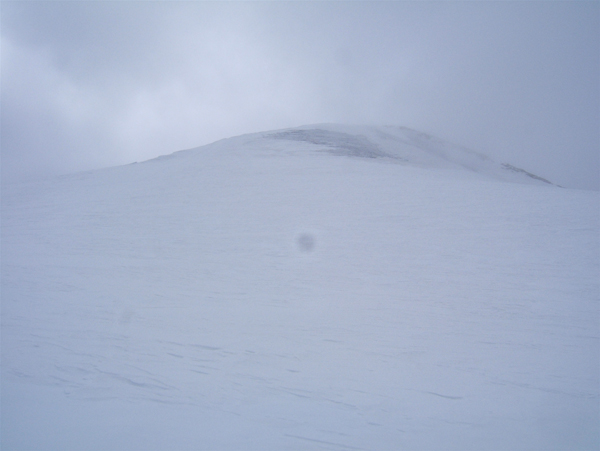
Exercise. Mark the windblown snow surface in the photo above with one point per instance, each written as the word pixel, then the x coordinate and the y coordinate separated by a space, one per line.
pixel 321 288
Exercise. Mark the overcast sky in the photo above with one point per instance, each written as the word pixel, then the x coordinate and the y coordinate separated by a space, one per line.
pixel 92 84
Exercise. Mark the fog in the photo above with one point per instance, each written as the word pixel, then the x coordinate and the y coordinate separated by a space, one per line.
pixel 93 84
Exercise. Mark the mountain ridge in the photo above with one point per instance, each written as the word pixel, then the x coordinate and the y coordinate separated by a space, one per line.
pixel 392 144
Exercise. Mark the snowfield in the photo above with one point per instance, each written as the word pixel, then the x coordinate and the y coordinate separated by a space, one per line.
pixel 324 288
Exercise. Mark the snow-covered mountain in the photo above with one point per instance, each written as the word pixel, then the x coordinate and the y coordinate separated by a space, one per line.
pixel 389 144
pixel 322 287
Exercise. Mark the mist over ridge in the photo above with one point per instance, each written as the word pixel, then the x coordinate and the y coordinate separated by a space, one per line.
pixel 391 144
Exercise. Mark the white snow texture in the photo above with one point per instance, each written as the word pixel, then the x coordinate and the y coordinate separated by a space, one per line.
pixel 325 288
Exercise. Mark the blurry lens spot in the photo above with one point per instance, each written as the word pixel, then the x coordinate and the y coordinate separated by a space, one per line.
pixel 306 242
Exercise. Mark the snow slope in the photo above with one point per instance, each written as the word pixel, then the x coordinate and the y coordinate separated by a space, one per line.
pixel 325 287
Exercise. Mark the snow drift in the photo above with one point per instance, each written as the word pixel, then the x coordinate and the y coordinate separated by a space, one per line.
pixel 324 287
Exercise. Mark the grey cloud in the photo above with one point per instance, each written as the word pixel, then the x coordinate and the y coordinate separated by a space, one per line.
pixel 87 84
